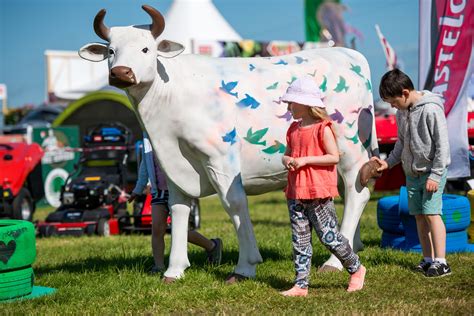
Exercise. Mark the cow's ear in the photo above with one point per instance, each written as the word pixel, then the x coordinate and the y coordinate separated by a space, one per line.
pixel 169 49
pixel 94 51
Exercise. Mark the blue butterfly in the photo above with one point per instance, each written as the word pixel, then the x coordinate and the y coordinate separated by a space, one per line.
pixel 230 137
pixel 299 60
pixel 281 62
pixel 228 87
pixel 248 101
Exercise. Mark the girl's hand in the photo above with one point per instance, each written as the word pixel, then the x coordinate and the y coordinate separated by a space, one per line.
pixel 297 163
pixel 287 162
pixel 431 185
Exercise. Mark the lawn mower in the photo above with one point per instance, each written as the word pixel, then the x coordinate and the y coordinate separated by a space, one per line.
pixel 93 198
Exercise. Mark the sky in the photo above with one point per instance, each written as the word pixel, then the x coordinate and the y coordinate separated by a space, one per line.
pixel 29 27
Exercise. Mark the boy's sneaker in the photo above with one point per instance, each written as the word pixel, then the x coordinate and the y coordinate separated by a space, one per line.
pixel 438 269
pixel 214 256
pixel 423 266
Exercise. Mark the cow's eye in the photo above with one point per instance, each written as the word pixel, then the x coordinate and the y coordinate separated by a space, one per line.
pixel 145 50
pixel 111 51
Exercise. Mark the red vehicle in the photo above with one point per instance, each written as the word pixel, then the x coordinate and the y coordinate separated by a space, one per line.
pixel 21 183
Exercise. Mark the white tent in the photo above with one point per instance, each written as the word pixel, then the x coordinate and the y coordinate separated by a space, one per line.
pixel 69 77
pixel 189 20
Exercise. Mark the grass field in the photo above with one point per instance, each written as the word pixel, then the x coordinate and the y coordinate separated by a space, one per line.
pixel 98 275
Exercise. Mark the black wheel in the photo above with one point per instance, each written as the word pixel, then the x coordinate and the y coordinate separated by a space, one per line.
pixel 47 231
pixel 195 215
pixel 103 227
pixel 23 206
pixel 138 205
pixel 90 230
pixel 123 218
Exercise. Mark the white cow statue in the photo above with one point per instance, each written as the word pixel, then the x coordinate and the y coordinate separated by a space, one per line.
pixel 218 126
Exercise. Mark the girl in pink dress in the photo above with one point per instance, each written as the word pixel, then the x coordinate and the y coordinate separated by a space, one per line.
pixel 311 157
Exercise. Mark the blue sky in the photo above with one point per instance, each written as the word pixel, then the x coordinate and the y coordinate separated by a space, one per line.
pixel 29 27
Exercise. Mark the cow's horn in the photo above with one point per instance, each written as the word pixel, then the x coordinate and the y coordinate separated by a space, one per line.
pixel 158 24
pixel 99 27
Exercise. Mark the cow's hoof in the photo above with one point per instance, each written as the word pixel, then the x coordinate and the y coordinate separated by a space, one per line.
pixel 328 268
pixel 168 280
pixel 234 278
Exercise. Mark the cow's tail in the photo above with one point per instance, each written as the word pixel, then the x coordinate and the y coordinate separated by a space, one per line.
pixel 373 148
pixel 374 144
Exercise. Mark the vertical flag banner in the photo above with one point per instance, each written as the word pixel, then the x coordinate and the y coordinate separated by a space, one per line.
pixel 445 67
pixel 390 55
pixel 324 21
pixel 313 29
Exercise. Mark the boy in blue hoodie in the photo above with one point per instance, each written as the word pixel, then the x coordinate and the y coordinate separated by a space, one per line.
pixel 423 149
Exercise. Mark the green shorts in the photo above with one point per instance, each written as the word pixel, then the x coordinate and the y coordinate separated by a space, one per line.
pixel 422 202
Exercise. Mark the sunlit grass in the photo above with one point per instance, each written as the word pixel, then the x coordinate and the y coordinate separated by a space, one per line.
pixel 97 275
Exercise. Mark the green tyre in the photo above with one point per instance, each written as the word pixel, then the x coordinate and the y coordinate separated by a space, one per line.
pixel 17 244
pixel 16 283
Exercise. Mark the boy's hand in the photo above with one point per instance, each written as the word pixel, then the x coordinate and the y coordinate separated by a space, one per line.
pixel 431 186
pixel 132 197
pixel 383 164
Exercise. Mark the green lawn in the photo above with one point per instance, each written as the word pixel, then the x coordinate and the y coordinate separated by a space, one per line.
pixel 97 275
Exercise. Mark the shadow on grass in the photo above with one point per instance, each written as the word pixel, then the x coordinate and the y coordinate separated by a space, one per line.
pixel 371 241
pixel 142 263
pixel 270 201
pixel 97 264
pixel 272 223
pixel 268 254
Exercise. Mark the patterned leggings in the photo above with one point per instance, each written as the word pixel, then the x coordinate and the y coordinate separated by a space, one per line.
pixel 320 214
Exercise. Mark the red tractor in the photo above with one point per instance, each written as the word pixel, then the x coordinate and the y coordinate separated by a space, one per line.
pixel 21 183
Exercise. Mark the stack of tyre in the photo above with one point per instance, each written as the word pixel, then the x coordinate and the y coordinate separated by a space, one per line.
pixel 399 227
pixel 17 254
pixel 470 230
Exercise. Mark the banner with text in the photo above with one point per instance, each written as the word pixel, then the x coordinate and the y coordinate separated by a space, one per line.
pixel 446 57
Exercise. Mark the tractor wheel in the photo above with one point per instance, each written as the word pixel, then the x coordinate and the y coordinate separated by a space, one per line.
pixel 23 206
pixel 103 227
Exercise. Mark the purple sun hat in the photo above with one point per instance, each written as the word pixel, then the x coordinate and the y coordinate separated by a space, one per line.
pixel 305 91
